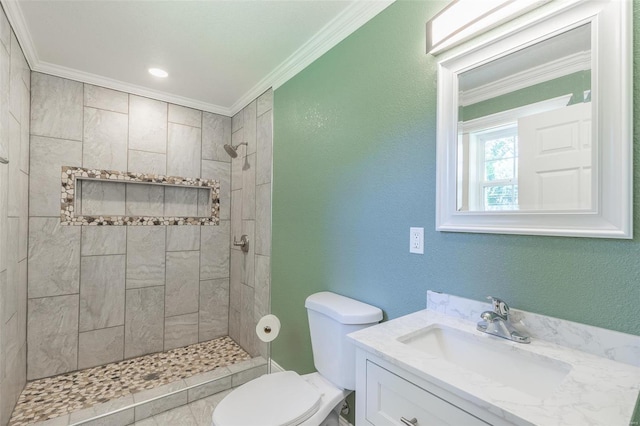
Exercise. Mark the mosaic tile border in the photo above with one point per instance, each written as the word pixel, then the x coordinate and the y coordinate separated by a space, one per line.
pixel 70 176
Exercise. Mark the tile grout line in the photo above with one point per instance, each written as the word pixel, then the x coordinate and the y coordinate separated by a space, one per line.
pixel 81 233
pixel 28 219
pixel 200 245
pixel 126 233
pixel 166 262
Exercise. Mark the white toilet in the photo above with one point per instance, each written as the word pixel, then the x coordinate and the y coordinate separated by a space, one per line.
pixel 314 399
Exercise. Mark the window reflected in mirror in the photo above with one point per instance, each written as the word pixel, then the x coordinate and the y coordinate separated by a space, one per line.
pixel 524 129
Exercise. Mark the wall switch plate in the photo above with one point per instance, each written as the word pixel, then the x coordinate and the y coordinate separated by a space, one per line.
pixel 416 240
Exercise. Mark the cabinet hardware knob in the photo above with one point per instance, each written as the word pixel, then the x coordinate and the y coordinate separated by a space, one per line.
pixel 412 422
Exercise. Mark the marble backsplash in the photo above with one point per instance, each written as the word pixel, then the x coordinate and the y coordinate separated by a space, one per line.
pixel 614 345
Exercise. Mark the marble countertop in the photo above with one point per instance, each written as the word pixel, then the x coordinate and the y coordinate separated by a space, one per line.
pixel 596 390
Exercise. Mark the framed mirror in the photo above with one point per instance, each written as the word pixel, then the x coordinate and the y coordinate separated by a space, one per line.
pixel 535 126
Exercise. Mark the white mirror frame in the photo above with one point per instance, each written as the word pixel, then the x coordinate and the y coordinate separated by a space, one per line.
pixel 611 24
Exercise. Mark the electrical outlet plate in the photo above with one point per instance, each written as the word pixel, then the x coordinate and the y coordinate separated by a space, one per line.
pixel 416 240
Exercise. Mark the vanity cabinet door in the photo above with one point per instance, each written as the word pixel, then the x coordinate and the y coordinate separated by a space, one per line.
pixel 390 398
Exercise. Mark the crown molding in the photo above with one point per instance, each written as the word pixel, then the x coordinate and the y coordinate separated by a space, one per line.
pixel 98 80
pixel 353 17
pixel 580 61
pixel 19 25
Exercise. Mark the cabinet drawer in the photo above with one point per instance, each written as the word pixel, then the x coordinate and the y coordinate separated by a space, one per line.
pixel 390 397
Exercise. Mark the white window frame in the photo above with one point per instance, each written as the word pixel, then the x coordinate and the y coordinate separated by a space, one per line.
pixel 478 141
pixel 468 199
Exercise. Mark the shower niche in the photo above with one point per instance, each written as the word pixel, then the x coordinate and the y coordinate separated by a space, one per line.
pixel 107 197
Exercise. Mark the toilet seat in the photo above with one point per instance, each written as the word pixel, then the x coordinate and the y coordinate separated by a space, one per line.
pixel 279 399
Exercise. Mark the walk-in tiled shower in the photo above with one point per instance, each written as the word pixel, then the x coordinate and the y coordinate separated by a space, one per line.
pixel 82 296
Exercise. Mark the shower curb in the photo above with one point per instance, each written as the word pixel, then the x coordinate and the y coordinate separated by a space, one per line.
pixel 141 405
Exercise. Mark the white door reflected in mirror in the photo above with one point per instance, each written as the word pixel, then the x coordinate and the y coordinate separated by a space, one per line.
pixel 555 161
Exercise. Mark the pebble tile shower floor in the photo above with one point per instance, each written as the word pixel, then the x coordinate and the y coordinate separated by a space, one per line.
pixel 55 396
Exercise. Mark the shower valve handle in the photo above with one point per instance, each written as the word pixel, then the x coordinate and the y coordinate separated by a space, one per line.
pixel 243 243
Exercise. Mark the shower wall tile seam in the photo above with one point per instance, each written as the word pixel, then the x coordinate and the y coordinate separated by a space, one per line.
pixel 199 251
pixel 182 124
pixel 106 254
pixel 14 116
pixel 58 138
pixel 164 293
pixel 126 263
pixel 146 286
pixel 263 113
pixel 103 328
pixel 55 295
pixel 104 109
pixel 145 151
pixel 181 315
pixel 10 318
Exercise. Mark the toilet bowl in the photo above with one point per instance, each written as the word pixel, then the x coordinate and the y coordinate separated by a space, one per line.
pixel 287 398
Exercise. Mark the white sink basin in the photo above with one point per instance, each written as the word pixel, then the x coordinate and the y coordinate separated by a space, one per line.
pixel 497 360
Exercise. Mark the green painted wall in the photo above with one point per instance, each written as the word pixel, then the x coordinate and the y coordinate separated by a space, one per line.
pixel 354 168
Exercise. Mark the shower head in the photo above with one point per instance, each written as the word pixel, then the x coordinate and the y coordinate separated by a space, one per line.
pixel 233 150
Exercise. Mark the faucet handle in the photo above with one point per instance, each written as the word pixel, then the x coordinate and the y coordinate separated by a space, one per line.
pixel 499 306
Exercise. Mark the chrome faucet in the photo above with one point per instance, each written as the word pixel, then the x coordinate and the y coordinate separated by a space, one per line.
pixel 497 322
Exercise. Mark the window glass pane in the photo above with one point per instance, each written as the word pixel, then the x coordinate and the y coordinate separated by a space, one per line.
pixel 503 197
pixel 498 170
pixel 496 149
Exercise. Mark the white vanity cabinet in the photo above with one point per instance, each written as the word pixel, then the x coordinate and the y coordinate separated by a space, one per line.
pixel 388 395
pixel 440 370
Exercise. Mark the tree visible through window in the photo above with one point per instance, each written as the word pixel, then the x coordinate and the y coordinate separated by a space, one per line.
pixel 499 168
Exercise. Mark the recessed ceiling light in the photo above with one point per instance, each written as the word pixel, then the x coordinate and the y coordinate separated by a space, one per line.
pixel 157 72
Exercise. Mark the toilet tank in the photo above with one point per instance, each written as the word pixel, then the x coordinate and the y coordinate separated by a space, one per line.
pixel 331 318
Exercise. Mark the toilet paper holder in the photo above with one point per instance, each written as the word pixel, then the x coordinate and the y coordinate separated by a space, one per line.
pixel 243 243
pixel 268 328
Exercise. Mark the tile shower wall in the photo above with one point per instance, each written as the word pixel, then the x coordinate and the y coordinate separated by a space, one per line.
pixel 14 180
pixel 251 215
pixel 102 294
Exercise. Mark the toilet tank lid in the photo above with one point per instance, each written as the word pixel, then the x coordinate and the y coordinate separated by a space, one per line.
pixel 343 309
